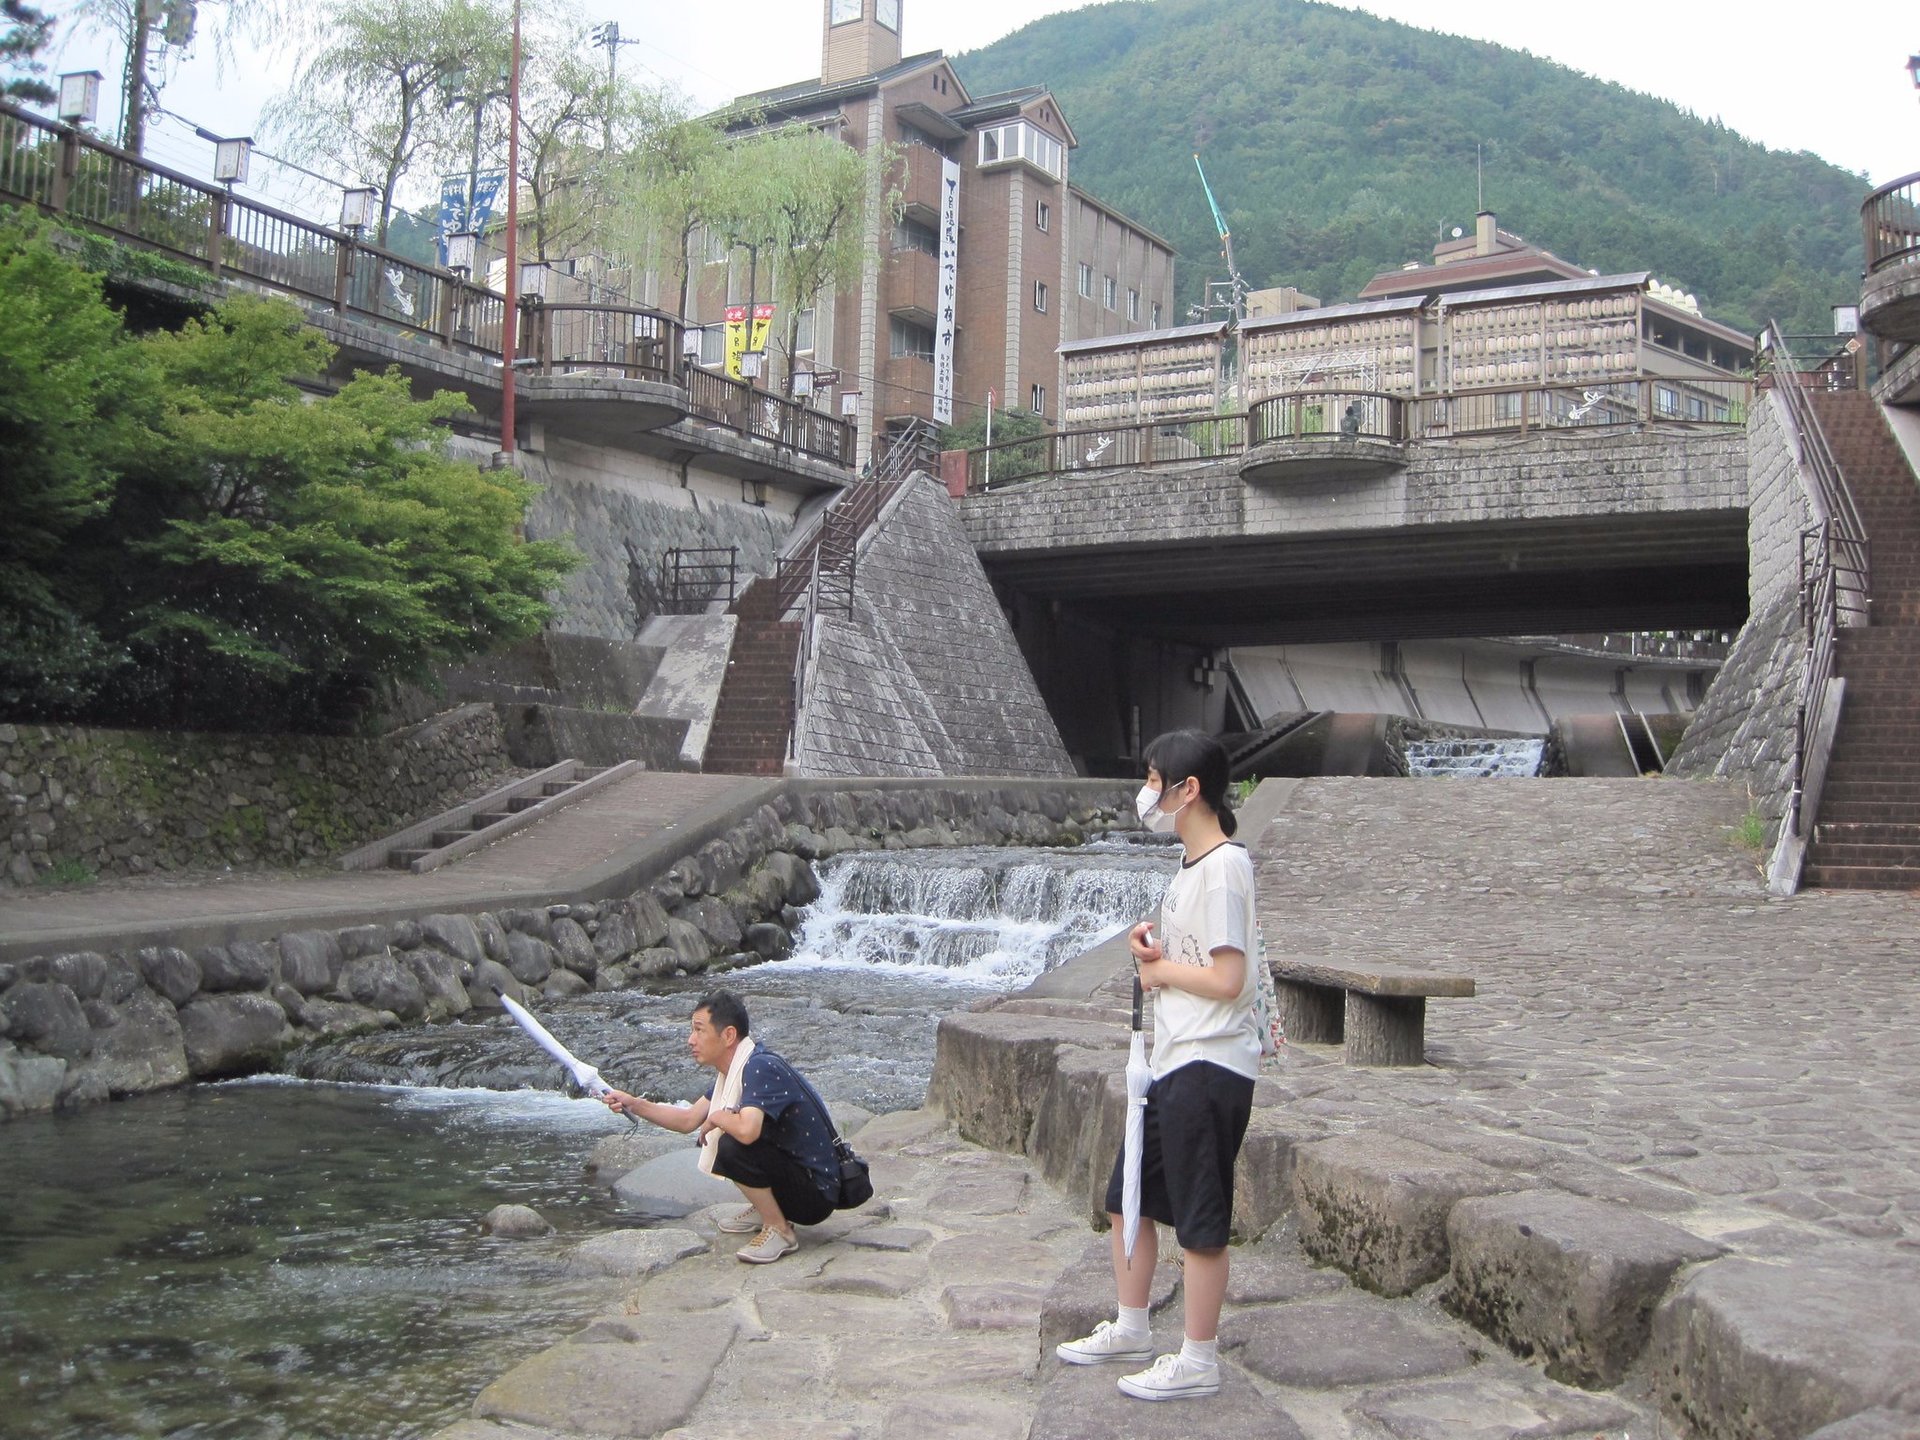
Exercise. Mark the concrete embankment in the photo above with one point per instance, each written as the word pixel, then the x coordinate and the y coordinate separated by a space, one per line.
pixel 122 992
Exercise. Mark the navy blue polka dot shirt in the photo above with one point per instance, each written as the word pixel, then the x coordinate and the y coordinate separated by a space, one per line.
pixel 795 1123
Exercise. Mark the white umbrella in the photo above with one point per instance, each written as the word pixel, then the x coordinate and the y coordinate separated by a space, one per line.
pixel 584 1075
pixel 1139 1077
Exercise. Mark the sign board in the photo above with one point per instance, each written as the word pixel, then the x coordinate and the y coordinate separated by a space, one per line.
pixel 949 289
pixel 457 215
pixel 738 341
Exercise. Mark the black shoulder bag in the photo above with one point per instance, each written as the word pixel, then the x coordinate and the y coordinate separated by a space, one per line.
pixel 856 1186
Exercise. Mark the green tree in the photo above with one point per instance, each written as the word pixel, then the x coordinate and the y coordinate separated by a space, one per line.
pixel 302 556
pixel 659 193
pixel 74 393
pixel 26 34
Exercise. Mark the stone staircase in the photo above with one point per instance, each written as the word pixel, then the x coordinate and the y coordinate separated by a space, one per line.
pixel 1867 832
pixel 450 835
pixel 754 717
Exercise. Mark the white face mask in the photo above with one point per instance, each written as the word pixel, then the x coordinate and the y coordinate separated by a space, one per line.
pixel 1147 806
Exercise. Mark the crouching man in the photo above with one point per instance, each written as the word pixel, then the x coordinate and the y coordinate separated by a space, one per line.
pixel 760 1126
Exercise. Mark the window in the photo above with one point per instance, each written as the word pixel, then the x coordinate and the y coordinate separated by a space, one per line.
pixel 1110 292
pixel 803 333
pixel 1665 401
pixel 713 344
pixel 1133 306
pixel 1037 402
pixel 1042 215
pixel 912 235
pixel 1040 296
pixel 1154 309
pixel 715 245
pixel 1086 279
pixel 909 339
pixel 1021 141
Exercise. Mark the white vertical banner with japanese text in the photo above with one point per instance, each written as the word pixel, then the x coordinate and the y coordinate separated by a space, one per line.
pixel 949 291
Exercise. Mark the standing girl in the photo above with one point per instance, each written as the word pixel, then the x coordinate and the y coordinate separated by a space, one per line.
pixel 1206 1053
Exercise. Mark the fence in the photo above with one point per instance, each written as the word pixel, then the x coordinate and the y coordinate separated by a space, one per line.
pixel 693 577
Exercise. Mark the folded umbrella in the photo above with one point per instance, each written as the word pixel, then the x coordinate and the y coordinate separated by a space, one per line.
pixel 584 1075
pixel 1139 1078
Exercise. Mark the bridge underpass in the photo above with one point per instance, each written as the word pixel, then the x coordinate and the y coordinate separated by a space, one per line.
pixel 1125 586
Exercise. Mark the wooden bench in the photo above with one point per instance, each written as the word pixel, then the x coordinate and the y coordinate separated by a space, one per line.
pixel 1379 1012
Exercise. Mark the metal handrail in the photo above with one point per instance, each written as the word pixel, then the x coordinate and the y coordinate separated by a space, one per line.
pixel 692 577
pixel 1847 537
pixel 1334 415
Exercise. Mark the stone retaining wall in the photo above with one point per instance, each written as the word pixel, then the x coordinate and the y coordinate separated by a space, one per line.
pixel 82 1027
pixel 99 802
pixel 1744 728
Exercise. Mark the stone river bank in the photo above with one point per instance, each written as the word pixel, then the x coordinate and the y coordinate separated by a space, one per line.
pixel 1661 1177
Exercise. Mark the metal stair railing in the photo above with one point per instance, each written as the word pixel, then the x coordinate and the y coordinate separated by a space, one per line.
pixel 694 577
pixel 854 512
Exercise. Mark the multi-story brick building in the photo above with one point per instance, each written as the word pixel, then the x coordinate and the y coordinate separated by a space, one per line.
pixel 1031 260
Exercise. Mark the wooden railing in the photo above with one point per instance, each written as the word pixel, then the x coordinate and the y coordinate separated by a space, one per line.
pixel 84 181
pixel 1890 223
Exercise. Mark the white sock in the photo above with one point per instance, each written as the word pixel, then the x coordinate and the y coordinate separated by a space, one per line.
pixel 1134 1323
pixel 1204 1353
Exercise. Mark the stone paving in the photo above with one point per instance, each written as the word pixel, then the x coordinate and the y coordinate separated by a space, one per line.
pixel 931 1315
pixel 1645 1010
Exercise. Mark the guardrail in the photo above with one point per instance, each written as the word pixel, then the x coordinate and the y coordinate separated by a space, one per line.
pixel 1328 414
pixel 82 180
pixel 1336 415
pixel 1890 223
pixel 693 577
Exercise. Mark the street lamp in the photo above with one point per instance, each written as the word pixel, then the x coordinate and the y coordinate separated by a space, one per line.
pixel 356 208
pixel 79 97
pixel 231 159
pixel 533 279
pixel 460 252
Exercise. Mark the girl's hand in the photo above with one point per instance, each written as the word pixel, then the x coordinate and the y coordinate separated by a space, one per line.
pixel 1141 942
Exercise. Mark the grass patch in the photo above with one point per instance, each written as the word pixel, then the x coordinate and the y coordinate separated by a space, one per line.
pixel 1751 832
pixel 68 872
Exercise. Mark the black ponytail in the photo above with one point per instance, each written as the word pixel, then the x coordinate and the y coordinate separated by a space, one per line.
pixel 1182 754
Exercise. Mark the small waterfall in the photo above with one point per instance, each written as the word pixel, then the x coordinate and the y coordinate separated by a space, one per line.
pixel 1466 759
pixel 985 917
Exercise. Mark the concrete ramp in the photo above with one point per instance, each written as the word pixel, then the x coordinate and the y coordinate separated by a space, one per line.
pixel 1595 746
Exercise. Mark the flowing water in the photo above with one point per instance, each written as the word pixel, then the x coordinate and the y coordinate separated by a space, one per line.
pixel 1461 759
pixel 289 1258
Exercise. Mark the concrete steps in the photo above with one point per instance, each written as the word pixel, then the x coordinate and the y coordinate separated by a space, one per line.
pixel 1867 834
pixel 753 721
pixel 441 839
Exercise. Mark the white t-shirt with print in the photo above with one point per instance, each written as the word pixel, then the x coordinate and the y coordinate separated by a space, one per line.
pixel 1208 907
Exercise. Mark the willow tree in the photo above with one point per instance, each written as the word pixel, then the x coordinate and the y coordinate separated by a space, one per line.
pixel 377 94
pixel 661 189
pixel 812 203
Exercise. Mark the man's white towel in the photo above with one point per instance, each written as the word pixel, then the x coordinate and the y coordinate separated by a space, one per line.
pixel 726 1098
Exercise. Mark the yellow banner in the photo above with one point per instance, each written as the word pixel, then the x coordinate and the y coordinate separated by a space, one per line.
pixel 737 341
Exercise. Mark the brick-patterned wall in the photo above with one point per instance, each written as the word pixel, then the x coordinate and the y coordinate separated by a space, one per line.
pixel 926 678
pixel 1744 728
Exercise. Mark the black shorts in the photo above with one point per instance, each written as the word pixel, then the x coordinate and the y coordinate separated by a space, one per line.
pixel 765 1166
pixel 1196 1117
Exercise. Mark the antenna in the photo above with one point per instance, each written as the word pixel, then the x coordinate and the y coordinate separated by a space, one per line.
pixel 1235 306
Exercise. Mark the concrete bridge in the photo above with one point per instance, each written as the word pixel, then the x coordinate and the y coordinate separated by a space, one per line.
pixel 1622 528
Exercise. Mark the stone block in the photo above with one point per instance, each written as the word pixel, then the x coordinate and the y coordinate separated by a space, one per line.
pixel 1494 1407
pixel 574 949
pixel 47 1016
pixel 991 1070
pixel 170 971
pixel 381 982
pixel 1079 1123
pixel 529 957
pixel 1263 1175
pixel 1376 1205
pixel 28 1083
pixel 621 1391
pixel 1347 1340
pixel 442 982
pixel 83 971
pixel 1572 1280
pixel 310 961
pixel 360 940
pixel 1871 1425
pixel 232 1034
pixel 240 966
pixel 671 1186
pixel 1083 1294
pixel 515 1222
pixel 1751 1351
pixel 143 1049
pixel 1006 1306
pixel 633 1253
pixel 455 935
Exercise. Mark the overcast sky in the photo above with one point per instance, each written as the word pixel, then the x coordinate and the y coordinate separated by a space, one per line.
pixel 1836 84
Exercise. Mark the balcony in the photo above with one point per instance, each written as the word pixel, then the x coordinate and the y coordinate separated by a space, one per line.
pixel 920 184
pixel 1326 434
pixel 1890 296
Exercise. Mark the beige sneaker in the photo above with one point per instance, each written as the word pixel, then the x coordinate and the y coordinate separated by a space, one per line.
pixel 744 1221
pixel 768 1246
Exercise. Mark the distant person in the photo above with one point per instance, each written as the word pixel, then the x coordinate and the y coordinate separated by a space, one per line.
pixel 760 1126
pixel 1206 1054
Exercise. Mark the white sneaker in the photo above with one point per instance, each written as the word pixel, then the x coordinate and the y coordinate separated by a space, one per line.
pixel 740 1222
pixel 1108 1342
pixel 1172 1377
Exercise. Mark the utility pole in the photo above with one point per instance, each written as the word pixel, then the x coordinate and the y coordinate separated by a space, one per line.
pixel 509 336
pixel 133 125
pixel 608 34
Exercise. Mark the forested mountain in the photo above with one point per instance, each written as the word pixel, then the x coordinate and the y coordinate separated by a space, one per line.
pixel 1340 145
